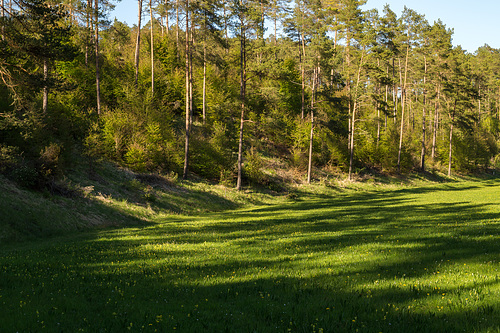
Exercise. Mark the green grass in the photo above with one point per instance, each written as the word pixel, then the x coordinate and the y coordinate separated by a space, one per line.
pixel 111 197
pixel 369 259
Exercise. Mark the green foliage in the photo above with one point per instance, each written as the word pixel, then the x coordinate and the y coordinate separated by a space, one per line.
pixel 9 157
pixel 473 150
pixel 253 167
pixel 117 129
pixel 50 163
pixel 25 174
pixel 300 148
pixel 144 131
pixel 334 150
pixel 212 154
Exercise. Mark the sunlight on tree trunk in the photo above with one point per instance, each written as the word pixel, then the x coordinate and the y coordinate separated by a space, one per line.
pixel 242 97
pixel 97 69
pixel 422 155
pixel 45 88
pixel 152 49
pixel 138 43
pixel 188 111
pixel 451 138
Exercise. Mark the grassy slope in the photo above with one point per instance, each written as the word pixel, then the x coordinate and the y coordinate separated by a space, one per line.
pixel 110 197
pixel 377 259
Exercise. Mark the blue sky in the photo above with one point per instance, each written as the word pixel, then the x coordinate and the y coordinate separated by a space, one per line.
pixel 475 22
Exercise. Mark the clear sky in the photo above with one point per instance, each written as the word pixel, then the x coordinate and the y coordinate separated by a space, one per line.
pixel 475 23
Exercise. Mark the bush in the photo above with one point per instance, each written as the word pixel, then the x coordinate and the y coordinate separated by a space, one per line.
pixel 9 157
pixel 50 164
pixel 253 167
pixel 25 175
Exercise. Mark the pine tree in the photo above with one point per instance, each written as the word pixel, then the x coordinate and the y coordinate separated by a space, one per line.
pixel 351 19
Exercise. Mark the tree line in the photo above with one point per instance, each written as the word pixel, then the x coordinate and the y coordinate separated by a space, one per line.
pixel 221 89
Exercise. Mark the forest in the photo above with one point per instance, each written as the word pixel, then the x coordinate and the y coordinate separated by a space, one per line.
pixel 241 92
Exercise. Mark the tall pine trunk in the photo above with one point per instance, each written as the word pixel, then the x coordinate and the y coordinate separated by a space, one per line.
pixel 243 98
pixel 403 105
pixel 152 49
pixel 451 138
pixel 177 27
pixel 45 87
pixel 422 155
pixel 311 134
pixel 436 122
pixel 87 32
pixel 302 76
pixel 188 111
pixel 167 24
pixel 353 117
pixel 191 48
pixel 3 15
pixel 204 97
pixel 97 69
pixel 138 43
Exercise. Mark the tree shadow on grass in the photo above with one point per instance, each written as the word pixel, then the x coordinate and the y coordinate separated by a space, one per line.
pixel 370 262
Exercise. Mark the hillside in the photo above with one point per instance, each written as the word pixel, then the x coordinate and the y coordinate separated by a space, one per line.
pixel 109 197
pixel 112 196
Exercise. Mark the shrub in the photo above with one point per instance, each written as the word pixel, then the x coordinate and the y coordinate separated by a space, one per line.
pixel 49 163
pixel 253 167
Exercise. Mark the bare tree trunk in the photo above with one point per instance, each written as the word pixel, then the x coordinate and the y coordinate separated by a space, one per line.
pixel 204 107
pixel 422 155
pixel 188 111
pixel 152 49
pixel 311 135
pixel 394 92
pixel 377 107
pixel 403 105
pixel 401 130
pixel 3 15
pixel 386 101
pixel 167 24
pixel 451 138
pixel 177 26
pixel 353 116
pixel 243 99
pixel 138 43
pixel 302 106
pixel 349 92
pixel 45 88
pixel 311 140
pixel 87 32
pixel 385 107
pixel 436 122
pixel 97 69
pixel 191 48
pixel 162 26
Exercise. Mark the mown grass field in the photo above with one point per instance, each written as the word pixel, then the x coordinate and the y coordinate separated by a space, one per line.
pixel 377 259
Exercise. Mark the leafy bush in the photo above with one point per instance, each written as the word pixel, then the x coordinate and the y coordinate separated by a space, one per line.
pixel 9 157
pixel 49 163
pixel 253 167
pixel 25 174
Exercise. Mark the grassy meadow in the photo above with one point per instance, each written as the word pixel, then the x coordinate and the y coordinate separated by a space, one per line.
pixel 376 258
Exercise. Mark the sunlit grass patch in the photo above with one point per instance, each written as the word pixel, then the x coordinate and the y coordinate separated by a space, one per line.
pixel 420 259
